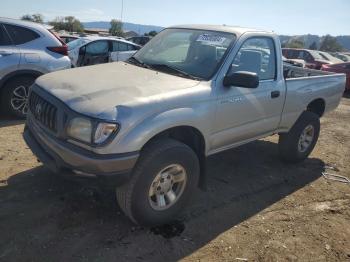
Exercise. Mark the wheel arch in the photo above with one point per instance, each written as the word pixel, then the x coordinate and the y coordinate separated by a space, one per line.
pixel 191 137
pixel 317 106
pixel 18 73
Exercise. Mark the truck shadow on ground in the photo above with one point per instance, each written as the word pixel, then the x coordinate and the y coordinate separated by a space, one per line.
pixel 47 217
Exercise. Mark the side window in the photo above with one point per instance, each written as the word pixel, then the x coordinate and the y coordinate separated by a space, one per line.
pixel 97 48
pixel 123 46
pixel 301 55
pixel 131 48
pixel 307 57
pixel 293 54
pixel 115 46
pixel 257 55
pixel 21 35
pixel 4 39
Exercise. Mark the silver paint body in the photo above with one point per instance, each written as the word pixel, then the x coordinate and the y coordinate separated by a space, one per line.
pixel 33 55
pixel 145 102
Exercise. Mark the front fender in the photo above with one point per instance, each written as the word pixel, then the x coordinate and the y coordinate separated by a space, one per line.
pixel 137 136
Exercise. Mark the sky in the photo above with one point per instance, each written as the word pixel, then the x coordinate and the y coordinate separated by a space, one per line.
pixel 290 17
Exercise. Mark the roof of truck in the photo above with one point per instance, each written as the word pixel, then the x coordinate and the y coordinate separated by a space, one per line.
pixel 237 30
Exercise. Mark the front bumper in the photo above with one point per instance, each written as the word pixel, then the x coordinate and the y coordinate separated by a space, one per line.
pixel 63 158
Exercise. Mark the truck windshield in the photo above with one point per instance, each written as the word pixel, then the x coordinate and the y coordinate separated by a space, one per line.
pixel 185 52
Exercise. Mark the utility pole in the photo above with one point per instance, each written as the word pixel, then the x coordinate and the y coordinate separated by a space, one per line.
pixel 121 12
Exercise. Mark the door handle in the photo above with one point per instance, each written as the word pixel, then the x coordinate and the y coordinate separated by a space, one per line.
pixel 275 94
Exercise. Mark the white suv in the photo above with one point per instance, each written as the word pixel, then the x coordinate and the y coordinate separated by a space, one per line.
pixel 27 50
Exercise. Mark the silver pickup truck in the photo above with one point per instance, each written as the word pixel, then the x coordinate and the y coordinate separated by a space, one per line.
pixel 146 126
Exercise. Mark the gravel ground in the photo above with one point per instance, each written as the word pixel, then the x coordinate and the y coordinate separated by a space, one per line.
pixel 255 209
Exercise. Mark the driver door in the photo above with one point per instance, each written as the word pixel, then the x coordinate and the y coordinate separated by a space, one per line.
pixel 244 114
pixel 94 53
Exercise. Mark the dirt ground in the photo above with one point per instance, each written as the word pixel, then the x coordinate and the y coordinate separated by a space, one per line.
pixel 255 209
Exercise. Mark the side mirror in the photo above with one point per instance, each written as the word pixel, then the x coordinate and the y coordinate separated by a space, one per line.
pixel 242 79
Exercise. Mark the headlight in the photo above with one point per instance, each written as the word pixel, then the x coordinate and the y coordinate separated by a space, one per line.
pixel 104 131
pixel 80 128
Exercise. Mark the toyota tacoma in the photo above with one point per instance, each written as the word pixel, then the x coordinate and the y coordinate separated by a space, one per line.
pixel 147 125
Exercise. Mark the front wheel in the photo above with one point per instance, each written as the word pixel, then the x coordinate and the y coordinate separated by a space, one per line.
pixel 15 96
pixel 298 143
pixel 162 182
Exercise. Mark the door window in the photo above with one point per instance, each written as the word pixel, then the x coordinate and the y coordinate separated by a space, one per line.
pixel 123 46
pixel 97 48
pixel 120 46
pixel 307 57
pixel 21 35
pixel 131 48
pixel 257 55
pixel 4 39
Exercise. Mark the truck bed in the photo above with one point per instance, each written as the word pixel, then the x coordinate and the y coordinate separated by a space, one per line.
pixel 306 85
pixel 290 71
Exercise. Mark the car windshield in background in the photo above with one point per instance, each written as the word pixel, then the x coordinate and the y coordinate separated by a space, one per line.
pixel 316 55
pixel 74 44
pixel 185 52
pixel 330 58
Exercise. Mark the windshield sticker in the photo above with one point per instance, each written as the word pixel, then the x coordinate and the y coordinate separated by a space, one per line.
pixel 211 39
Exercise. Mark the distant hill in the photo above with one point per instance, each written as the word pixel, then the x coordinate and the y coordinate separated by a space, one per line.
pixel 343 40
pixel 140 29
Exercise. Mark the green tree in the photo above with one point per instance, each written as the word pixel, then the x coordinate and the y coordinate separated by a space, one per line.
pixel 68 23
pixel 151 33
pixel 116 28
pixel 37 18
pixel 330 44
pixel 294 44
pixel 313 46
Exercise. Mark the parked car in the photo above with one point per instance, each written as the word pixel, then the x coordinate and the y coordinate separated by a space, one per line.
pixel 312 58
pixel 342 56
pixel 140 40
pixel 294 62
pixel 330 58
pixel 27 50
pixel 147 125
pixel 94 50
pixel 340 68
pixel 68 38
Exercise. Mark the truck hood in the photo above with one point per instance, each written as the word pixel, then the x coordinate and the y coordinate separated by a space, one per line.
pixel 98 90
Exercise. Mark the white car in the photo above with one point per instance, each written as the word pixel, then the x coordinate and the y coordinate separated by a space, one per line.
pixel 27 50
pixel 94 50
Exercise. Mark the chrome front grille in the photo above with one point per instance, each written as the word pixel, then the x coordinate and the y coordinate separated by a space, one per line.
pixel 43 111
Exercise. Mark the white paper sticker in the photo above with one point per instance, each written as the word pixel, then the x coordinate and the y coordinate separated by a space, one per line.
pixel 211 39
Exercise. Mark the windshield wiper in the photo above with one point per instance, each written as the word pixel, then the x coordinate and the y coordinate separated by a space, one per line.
pixel 170 69
pixel 133 60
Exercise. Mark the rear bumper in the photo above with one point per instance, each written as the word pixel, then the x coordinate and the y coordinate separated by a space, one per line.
pixel 75 163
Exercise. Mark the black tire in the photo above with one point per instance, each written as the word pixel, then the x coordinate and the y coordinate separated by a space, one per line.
pixel 133 197
pixel 7 94
pixel 289 142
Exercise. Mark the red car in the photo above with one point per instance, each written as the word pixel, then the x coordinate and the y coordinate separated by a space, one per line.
pixel 340 68
pixel 312 58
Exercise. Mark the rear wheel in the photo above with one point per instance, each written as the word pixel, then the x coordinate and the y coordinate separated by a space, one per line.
pixel 15 95
pixel 163 180
pixel 298 143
